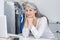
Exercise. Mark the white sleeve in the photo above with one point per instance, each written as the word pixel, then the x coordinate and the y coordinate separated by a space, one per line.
pixel 42 25
pixel 25 32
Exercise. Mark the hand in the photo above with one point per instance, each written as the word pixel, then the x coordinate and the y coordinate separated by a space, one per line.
pixel 30 22
pixel 9 38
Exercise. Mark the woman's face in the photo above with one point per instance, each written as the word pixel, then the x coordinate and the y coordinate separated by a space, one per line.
pixel 29 12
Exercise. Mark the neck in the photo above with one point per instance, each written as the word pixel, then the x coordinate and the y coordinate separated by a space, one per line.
pixel 34 20
pixel 34 17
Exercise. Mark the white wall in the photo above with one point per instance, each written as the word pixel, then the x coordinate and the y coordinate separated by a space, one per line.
pixel 51 8
pixel 1 7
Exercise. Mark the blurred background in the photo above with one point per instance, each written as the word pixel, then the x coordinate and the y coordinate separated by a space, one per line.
pixel 12 10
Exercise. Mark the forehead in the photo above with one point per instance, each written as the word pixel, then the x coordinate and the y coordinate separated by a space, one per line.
pixel 27 7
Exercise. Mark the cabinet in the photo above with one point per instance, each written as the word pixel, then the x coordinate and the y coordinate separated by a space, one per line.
pixel 55 28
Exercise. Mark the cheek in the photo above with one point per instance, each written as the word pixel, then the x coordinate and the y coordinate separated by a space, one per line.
pixel 33 13
pixel 25 12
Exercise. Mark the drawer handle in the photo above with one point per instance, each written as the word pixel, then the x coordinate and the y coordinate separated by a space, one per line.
pixel 57 32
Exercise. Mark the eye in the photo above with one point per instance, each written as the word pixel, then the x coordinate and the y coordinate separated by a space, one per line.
pixel 26 10
pixel 30 10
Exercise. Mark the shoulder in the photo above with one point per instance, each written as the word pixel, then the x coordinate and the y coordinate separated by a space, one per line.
pixel 42 19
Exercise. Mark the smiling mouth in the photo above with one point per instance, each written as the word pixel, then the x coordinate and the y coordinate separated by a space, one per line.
pixel 28 14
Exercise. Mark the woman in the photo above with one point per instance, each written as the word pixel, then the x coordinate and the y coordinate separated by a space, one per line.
pixel 35 22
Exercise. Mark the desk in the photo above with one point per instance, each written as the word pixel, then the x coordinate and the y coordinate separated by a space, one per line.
pixel 31 38
pixel 28 38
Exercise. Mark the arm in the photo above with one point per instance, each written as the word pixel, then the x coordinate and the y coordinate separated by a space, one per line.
pixel 25 31
pixel 42 25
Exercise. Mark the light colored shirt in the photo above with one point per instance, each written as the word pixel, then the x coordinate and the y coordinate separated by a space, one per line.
pixel 41 29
